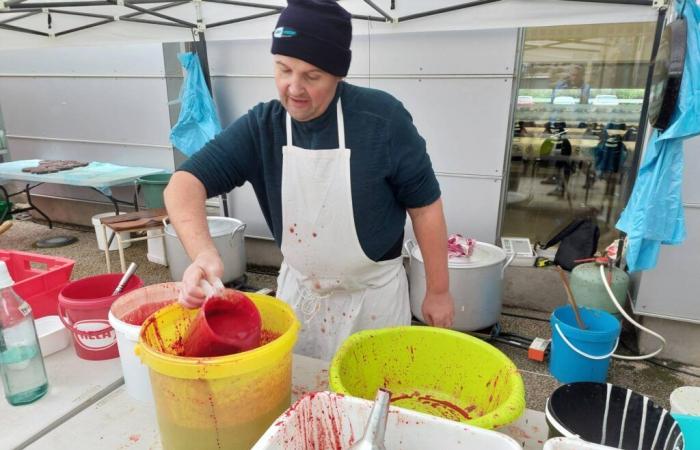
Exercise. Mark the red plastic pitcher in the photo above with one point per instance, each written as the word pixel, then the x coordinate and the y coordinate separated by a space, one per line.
pixel 225 324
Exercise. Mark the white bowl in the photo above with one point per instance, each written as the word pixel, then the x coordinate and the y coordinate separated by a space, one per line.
pixel 53 336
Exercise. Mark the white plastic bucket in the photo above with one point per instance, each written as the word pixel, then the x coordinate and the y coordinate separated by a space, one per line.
pixel 136 377
pixel 100 236
pixel 156 248
pixel 686 400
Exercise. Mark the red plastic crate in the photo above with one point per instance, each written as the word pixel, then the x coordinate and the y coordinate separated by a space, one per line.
pixel 38 278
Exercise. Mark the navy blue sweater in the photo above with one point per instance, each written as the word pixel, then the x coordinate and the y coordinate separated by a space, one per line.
pixel 389 167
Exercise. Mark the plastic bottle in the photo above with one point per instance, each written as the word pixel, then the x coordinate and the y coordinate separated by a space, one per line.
pixel 373 439
pixel 21 363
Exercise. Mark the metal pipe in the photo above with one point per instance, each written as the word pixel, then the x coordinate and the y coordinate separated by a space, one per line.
pixel 153 22
pixel 249 4
pixel 242 19
pixel 23 30
pixel 84 14
pixel 444 10
pixel 643 119
pixel 29 14
pixel 369 18
pixel 379 10
pixel 618 2
pixel 157 14
pixel 157 8
pixel 58 5
pixel 84 27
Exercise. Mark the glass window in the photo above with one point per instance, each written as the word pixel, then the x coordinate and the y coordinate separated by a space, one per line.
pixel 577 114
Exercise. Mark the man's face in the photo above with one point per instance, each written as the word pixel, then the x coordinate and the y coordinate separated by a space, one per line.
pixel 304 90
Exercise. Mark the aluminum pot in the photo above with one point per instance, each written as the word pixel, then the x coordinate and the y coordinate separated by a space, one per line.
pixel 476 285
pixel 228 237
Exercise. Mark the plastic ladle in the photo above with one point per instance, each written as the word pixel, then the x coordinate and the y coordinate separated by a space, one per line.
pixel 226 324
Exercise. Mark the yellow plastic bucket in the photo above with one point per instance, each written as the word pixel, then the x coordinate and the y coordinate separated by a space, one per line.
pixel 222 402
pixel 435 371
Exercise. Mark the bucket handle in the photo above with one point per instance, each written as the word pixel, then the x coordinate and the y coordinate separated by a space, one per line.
pixel 582 353
pixel 508 261
pixel 62 316
pixel 241 228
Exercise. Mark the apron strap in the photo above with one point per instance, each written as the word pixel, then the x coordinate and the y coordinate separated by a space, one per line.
pixel 289 129
pixel 341 126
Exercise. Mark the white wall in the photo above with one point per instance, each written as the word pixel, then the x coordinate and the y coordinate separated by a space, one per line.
pixel 459 97
pixel 92 104
pixel 670 290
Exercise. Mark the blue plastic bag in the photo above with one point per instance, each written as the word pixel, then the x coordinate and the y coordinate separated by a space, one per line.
pixel 198 122
pixel 654 213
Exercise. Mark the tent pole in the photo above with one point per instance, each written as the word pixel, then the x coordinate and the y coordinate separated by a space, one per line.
pixel 643 117
pixel 199 46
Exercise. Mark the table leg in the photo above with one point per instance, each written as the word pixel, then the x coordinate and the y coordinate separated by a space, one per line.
pixel 121 251
pixel 27 192
pixel 104 234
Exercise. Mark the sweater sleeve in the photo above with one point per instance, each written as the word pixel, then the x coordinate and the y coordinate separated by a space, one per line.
pixel 228 160
pixel 413 179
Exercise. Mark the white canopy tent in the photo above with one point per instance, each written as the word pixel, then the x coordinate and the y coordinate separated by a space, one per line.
pixel 39 23
pixel 116 24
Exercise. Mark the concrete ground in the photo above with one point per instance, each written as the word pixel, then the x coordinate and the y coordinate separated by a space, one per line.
pixel 656 380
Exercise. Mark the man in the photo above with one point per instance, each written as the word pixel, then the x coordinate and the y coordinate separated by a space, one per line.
pixel 573 79
pixel 335 167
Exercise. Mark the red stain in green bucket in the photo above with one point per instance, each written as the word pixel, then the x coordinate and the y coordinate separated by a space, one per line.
pixel 224 326
pixel 449 407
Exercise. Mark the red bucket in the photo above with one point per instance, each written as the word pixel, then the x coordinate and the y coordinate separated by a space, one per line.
pixel 83 306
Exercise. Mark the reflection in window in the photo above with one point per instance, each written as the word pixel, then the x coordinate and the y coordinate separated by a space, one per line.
pixel 575 126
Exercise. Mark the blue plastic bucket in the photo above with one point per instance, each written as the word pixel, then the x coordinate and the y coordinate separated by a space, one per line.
pixel 582 355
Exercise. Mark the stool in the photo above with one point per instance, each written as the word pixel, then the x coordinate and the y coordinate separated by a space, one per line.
pixel 145 220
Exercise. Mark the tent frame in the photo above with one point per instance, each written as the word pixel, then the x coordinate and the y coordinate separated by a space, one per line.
pixel 14 6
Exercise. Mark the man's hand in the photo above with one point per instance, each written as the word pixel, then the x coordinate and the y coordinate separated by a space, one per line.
pixel 200 277
pixel 438 309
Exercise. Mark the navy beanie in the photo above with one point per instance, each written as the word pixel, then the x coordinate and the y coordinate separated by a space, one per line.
pixel 316 31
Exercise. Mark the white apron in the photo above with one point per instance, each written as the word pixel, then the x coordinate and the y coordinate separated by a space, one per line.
pixel 334 288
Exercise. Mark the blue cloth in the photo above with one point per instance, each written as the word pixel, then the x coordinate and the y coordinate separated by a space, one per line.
pixel 390 170
pixel 198 122
pixel 654 213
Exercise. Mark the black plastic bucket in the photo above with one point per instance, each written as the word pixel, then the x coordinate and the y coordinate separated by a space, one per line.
pixel 602 413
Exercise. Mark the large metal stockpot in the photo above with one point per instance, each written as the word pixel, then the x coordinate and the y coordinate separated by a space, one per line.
pixel 227 234
pixel 476 285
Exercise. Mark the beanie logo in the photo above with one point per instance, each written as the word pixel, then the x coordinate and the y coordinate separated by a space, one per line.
pixel 283 32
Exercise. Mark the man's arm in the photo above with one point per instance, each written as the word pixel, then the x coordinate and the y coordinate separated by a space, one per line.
pixel 185 198
pixel 431 232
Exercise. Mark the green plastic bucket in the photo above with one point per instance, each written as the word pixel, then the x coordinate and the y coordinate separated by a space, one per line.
pixel 152 187
pixel 5 208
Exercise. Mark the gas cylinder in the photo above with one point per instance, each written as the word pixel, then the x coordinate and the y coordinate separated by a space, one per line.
pixel 588 288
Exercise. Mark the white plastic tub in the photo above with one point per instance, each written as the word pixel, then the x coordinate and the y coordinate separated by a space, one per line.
pixel 100 235
pixel 325 420
pixel 561 443
pixel 53 335
pixel 136 377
